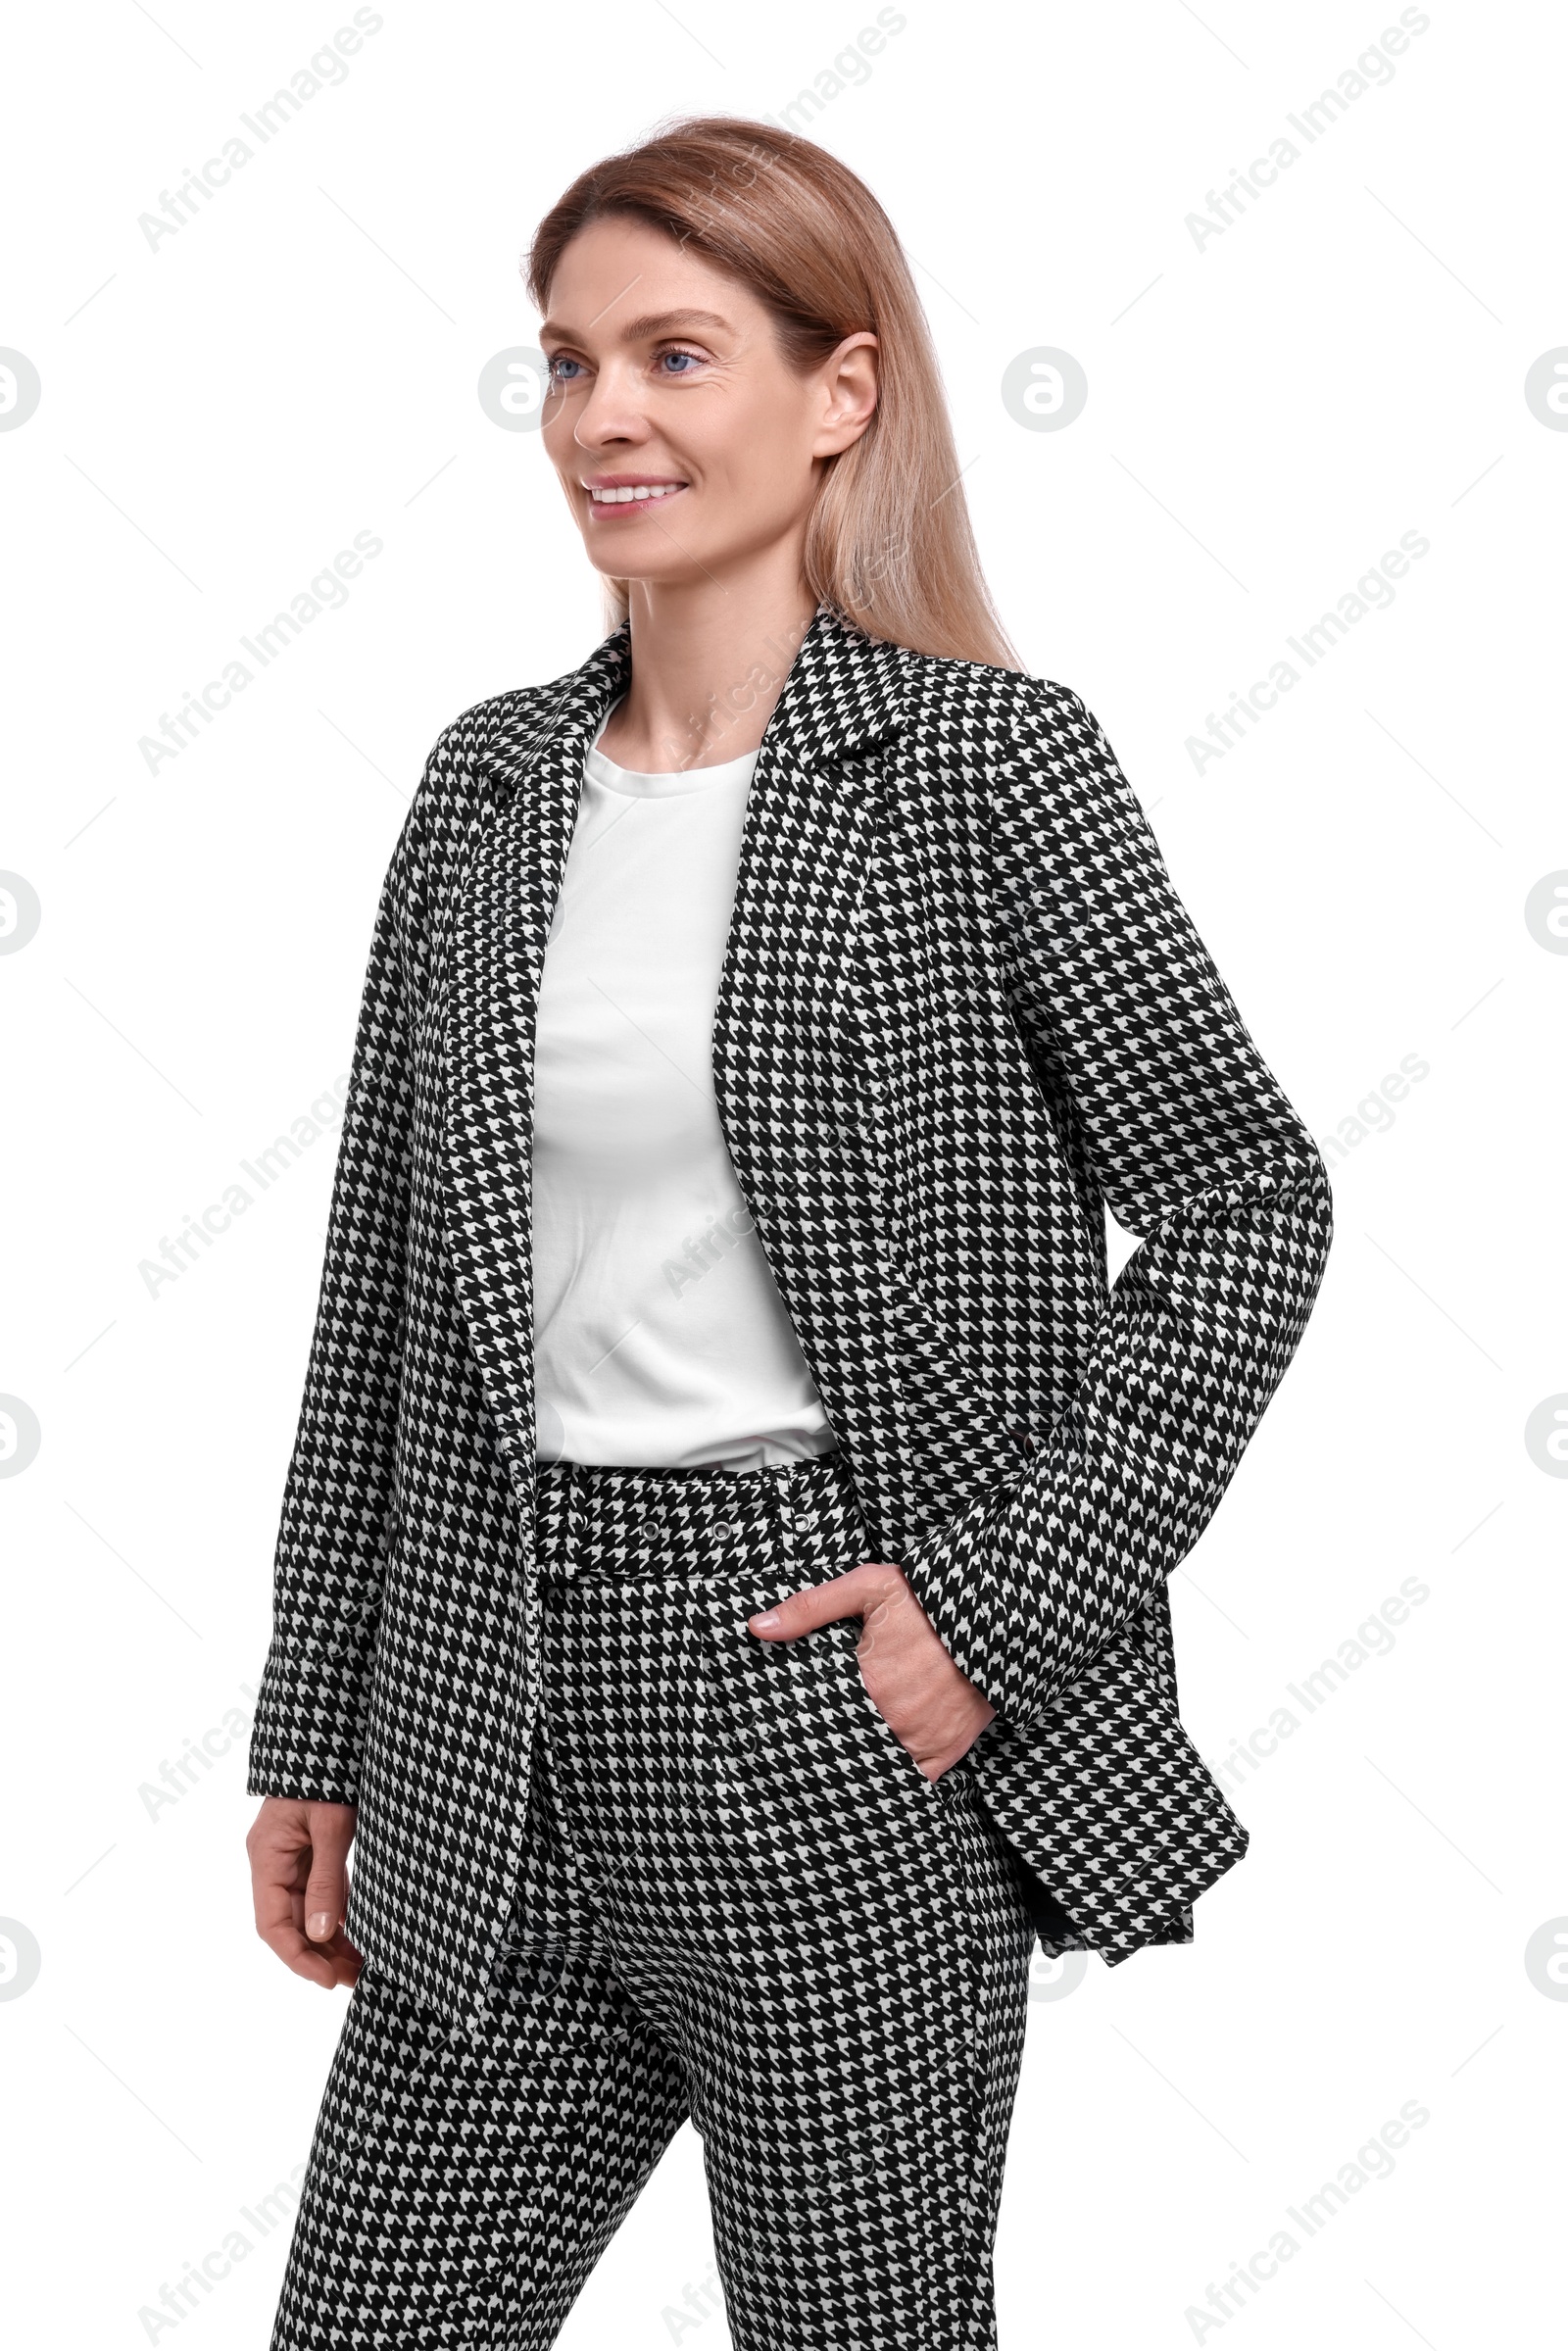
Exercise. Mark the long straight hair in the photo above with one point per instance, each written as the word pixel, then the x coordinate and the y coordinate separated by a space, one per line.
pixel 888 541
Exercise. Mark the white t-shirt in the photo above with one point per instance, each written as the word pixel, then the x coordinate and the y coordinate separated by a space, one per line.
pixel 660 1336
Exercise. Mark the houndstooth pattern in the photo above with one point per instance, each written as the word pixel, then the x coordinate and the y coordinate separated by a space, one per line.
pixel 742 1902
pixel 961 1009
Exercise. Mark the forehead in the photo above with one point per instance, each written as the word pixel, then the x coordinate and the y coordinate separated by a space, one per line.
pixel 624 279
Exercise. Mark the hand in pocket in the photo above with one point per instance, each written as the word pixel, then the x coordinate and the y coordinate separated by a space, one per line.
pixel 935 1711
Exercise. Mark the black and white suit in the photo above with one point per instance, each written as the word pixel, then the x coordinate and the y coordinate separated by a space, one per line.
pixel 962 1009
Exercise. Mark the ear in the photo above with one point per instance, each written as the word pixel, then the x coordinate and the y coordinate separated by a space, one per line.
pixel 848 385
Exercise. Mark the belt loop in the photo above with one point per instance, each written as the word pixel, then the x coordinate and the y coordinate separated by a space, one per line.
pixel 572 1515
pixel 541 1516
pixel 553 1501
pixel 781 1516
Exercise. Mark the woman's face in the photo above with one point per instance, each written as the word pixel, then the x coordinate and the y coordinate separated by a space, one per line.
pixel 665 376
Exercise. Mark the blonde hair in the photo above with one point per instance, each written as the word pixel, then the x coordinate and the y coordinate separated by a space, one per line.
pixel 888 541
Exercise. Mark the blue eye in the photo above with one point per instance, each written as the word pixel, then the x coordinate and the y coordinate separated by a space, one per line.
pixel 556 367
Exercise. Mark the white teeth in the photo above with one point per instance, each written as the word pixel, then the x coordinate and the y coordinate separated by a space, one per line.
pixel 645 490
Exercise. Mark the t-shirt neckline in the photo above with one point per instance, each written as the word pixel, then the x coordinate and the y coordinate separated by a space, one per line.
pixel 637 784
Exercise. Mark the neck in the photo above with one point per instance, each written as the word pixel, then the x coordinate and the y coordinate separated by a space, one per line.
pixel 708 665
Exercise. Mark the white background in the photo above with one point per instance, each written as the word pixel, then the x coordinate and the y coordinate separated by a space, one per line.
pixel 1267 413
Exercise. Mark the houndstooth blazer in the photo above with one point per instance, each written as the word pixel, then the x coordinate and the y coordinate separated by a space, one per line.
pixel 961 1009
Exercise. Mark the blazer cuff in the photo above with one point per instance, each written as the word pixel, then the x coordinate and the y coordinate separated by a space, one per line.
pixel 987 1622
pixel 308 1736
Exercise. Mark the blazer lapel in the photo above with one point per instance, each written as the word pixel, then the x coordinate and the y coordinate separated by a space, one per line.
pixel 504 906
pixel 795 1053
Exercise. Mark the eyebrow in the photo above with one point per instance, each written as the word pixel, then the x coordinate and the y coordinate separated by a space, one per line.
pixel 651 323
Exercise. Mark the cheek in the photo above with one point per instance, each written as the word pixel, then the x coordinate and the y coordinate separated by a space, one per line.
pixel 755 468
pixel 556 432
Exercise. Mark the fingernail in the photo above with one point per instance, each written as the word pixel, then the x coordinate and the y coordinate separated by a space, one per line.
pixel 767 1621
pixel 318 1926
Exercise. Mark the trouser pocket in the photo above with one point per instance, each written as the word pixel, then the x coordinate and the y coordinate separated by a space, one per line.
pixel 848 1685
pixel 789 1712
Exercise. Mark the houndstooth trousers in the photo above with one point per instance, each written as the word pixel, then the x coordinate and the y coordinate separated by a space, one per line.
pixel 743 1903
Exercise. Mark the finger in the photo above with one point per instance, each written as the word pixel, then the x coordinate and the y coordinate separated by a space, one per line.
pixel 274 1873
pixel 844 1596
pixel 329 1964
pixel 327 1888
pixel 318 1963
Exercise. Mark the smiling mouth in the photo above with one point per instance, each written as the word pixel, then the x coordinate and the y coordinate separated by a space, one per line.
pixel 631 498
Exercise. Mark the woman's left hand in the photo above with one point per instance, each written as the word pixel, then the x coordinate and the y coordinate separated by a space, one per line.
pixel 936 1711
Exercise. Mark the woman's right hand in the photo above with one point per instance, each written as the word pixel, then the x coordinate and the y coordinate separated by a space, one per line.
pixel 300 1883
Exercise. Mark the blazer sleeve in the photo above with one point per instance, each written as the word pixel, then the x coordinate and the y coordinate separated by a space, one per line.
pixel 1201 1157
pixel 338 1496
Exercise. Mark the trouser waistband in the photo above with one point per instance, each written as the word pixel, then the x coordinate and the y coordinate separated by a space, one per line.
pixel 628 1520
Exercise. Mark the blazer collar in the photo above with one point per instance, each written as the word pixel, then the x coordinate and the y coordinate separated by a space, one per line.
pixel 843 689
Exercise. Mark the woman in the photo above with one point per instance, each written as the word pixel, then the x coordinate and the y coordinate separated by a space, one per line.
pixel 722 1577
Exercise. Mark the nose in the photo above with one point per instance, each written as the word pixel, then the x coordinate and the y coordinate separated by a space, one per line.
pixel 611 412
